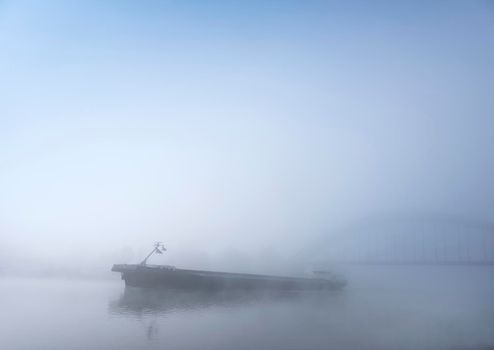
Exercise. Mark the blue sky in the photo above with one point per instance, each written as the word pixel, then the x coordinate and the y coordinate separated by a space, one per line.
pixel 220 124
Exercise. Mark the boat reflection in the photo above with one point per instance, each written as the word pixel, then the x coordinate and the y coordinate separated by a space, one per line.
pixel 135 301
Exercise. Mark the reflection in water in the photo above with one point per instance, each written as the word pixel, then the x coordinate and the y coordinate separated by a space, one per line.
pixel 152 330
pixel 149 305
pixel 135 301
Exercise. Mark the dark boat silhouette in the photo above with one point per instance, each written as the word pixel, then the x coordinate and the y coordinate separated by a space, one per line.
pixel 144 275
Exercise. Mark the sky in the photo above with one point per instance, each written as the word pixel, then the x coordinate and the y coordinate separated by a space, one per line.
pixel 227 128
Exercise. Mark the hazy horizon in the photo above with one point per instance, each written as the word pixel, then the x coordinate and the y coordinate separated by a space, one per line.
pixel 236 130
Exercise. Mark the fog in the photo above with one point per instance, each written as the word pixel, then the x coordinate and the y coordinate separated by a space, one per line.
pixel 261 137
pixel 235 130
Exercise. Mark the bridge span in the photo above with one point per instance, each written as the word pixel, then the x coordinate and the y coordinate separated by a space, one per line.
pixel 409 240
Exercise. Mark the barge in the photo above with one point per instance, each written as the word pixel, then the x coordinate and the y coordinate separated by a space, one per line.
pixel 144 275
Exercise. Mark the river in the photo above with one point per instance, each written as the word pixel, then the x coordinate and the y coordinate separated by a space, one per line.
pixel 384 308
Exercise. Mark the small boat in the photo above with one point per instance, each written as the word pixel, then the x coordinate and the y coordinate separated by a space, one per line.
pixel 144 275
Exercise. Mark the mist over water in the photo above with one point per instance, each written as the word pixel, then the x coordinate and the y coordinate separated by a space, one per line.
pixel 407 308
pixel 262 137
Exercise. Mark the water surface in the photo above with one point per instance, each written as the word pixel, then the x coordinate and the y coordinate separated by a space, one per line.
pixel 393 309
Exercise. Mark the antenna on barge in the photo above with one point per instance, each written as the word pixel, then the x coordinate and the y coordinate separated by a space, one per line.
pixel 159 248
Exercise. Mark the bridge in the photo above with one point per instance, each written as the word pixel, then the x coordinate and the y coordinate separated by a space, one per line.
pixel 425 239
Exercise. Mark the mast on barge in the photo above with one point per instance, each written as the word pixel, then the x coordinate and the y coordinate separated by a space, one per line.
pixel 159 248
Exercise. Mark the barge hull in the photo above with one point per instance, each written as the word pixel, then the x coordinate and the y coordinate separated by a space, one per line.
pixel 173 278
